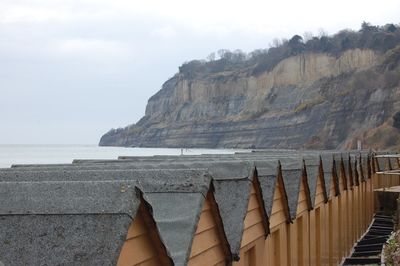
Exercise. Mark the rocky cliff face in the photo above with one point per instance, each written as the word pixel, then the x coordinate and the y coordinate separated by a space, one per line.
pixel 311 100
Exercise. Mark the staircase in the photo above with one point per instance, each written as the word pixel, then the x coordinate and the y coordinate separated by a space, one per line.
pixel 368 249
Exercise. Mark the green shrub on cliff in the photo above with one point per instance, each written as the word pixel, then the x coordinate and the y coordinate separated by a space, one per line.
pixel 391 251
pixel 308 104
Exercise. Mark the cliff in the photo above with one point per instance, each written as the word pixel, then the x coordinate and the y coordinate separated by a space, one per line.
pixel 309 100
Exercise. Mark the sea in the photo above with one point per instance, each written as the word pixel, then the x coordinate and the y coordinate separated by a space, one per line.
pixel 51 154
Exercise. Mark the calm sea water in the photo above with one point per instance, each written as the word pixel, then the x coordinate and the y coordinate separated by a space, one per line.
pixel 28 154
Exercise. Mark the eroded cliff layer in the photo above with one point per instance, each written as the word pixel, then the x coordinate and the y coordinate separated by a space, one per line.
pixel 310 100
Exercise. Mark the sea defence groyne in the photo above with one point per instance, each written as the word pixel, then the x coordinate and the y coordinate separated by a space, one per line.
pixel 279 207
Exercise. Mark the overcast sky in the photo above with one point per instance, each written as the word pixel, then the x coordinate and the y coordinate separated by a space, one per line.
pixel 72 69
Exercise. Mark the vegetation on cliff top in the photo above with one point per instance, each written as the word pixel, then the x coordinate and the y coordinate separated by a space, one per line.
pixel 377 38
